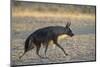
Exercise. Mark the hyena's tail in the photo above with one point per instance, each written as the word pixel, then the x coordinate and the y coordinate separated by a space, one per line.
pixel 28 46
pixel 22 55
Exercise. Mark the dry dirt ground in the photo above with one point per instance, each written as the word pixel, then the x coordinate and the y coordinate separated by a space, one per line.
pixel 81 47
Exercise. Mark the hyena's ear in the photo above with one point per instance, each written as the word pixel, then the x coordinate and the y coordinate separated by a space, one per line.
pixel 68 24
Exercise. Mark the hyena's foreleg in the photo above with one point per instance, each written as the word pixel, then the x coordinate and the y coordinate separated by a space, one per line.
pixel 56 43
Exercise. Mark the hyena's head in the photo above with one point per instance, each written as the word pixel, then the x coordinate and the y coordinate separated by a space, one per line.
pixel 68 30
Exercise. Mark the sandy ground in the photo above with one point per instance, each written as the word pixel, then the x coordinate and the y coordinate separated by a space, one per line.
pixel 81 47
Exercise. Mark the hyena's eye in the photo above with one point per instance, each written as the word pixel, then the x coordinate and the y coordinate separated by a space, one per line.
pixel 69 30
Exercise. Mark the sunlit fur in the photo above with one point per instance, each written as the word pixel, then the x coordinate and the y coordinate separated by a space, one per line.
pixel 60 38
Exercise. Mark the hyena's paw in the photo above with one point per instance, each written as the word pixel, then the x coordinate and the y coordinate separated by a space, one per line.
pixel 66 54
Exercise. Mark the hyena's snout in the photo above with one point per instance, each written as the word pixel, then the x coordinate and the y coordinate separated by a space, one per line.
pixel 71 34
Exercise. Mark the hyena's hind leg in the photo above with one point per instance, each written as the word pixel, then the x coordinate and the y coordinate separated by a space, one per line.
pixel 38 45
pixel 46 47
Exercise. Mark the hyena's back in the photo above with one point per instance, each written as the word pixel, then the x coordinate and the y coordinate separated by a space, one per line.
pixel 49 33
